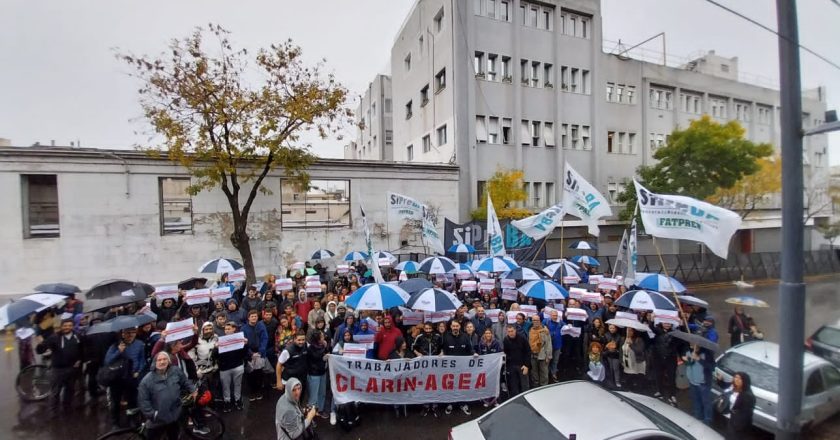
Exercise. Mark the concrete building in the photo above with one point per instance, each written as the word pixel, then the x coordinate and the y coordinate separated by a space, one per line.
pixel 84 215
pixel 375 134
pixel 526 85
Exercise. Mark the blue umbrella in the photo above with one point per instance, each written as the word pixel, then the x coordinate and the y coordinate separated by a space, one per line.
pixel 544 289
pixel 384 254
pixel 661 283
pixel 220 265
pixel 322 254
pixel 355 256
pixel 524 273
pixel 461 249
pixel 408 266
pixel 22 307
pixel 437 265
pixel 377 296
pixel 583 245
pixel 120 323
pixel 495 264
pixel 415 285
pixel 433 300
pixel 58 288
pixel 585 259
pixel 564 269
pixel 645 300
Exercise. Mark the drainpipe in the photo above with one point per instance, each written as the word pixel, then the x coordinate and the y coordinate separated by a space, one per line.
pixel 127 171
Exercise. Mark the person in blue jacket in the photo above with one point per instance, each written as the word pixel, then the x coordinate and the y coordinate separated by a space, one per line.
pixel 364 329
pixel 234 313
pixel 257 336
pixel 128 347
pixel 554 324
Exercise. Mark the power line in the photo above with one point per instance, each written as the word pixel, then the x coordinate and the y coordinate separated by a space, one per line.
pixel 732 11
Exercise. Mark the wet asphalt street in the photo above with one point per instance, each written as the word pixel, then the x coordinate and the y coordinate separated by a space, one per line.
pixel 87 420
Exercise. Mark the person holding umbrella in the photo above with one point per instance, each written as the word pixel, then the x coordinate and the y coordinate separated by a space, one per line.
pixel 67 353
pixel 127 349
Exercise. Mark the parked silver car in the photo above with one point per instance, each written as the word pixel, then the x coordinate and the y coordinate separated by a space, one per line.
pixel 825 343
pixel 760 359
pixel 582 410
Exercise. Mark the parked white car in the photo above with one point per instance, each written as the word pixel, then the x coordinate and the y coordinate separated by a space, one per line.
pixel 577 410
pixel 760 359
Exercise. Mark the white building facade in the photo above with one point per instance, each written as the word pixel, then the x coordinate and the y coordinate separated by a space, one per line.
pixel 375 133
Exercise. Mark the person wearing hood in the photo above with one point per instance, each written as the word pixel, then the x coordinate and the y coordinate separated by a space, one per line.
pixel 338 319
pixel 167 310
pixel 202 352
pixel 330 314
pixel 386 338
pixel 349 324
pixel 234 313
pixel 741 407
pixel 288 417
pixel 303 306
pixel 364 329
pixel 159 397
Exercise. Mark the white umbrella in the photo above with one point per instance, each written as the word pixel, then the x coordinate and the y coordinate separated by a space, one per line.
pixel 22 307
pixel 378 296
pixel 624 322
pixel 220 265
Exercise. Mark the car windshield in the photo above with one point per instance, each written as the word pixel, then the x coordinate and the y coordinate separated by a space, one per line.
pixel 663 423
pixel 829 336
pixel 762 375
pixel 513 419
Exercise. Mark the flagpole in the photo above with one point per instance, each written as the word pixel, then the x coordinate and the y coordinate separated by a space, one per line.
pixel 561 238
pixel 629 262
pixel 539 249
pixel 673 291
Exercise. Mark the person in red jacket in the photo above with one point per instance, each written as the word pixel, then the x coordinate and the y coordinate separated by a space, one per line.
pixel 386 338
pixel 303 306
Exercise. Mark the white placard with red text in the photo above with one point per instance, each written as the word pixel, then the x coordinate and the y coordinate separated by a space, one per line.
pixel 197 296
pixel 666 316
pixel 179 330
pixel 353 350
pixel 508 284
pixel 438 316
pixel 510 294
pixel 282 284
pixel 547 313
pixel 220 293
pixel 575 314
pixel 237 275
pixel 232 342
pixel 493 314
pixel 166 292
pixel 468 286
pixel 412 317
pixel 576 292
pixel 486 284
pixel 342 269
pixel 528 310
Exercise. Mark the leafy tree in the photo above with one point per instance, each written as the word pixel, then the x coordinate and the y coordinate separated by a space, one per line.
pixel 506 187
pixel 697 161
pixel 830 232
pixel 752 190
pixel 230 123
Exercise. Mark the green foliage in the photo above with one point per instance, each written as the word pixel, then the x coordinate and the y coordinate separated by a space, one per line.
pixel 697 161
pixel 830 232
pixel 506 188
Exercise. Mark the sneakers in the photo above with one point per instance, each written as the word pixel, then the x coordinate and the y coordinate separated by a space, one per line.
pixel 673 401
pixel 504 388
pixel 239 405
pixel 252 398
pixel 424 412
pixel 397 411
pixel 201 430
pixel 132 411
pixel 333 418
pixel 448 409
pixel 487 404
pixel 259 396
pixel 465 409
pixel 657 395
pixel 227 407
pixel 434 412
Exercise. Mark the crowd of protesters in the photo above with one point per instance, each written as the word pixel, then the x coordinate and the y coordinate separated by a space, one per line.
pixel 291 333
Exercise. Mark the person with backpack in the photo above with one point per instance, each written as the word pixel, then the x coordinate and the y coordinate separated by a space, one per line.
pixel 123 368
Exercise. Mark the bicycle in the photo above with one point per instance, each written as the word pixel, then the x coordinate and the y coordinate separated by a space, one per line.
pixel 33 383
pixel 190 411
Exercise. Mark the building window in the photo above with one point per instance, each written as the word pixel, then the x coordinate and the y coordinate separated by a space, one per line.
pixel 535 73
pixel 549 193
pixel 610 141
pixel 388 105
pixel 40 205
pixel 491 67
pixel 584 28
pixel 481 185
pixel 584 82
pixel 389 137
pixel 631 143
pixel 408 110
pixel 427 143
pixel 548 133
pixel 504 10
pixel 525 132
pixel 493 130
pixel 409 151
pixel 440 80
pixel 480 129
pixel 548 75
pixel 477 6
pixel 407 62
pixel 424 96
pixel 506 74
pixel 524 73
pixel 575 80
pixel 587 143
pixel 621 136
pixel 523 14
pixel 610 88
pixel 564 78
pixel 546 21
pixel 575 137
pixel 631 94
pixel 323 204
pixel 533 13
pixel 439 21
pixel 537 195
pixel 564 136
pixel 441 135
pixel 491 8
pixel 535 133
pixel 507 123
pixel 661 98
pixel 724 67
pixel 478 64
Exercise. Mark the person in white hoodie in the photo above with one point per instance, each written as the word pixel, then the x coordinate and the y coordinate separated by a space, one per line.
pixel 202 353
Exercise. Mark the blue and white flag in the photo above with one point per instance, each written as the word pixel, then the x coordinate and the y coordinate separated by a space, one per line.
pixel 632 256
pixel 374 265
pixel 541 225
pixel 583 200
pixel 684 218
pixel 407 208
pixel 621 258
pixel 495 240
pixel 431 238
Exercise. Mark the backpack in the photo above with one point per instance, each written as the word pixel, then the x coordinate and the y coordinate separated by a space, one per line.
pixel 114 372
pixel 348 416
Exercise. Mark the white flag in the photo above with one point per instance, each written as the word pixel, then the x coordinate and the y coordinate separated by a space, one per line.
pixel 632 256
pixel 495 239
pixel 430 233
pixel 621 258
pixel 583 200
pixel 374 265
pixel 407 208
pixel 541 225
pixel 684 218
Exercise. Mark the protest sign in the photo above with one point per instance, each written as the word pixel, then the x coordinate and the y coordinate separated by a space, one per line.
pixel 547 313
pixel 313 287
pixel 511 316
pixel 508 284
pixel 510 294
pixel 595 279
pixel 493 314
pixel 312 278
pixel 575 314
pixel 627 315
pixel 570 279
pixel 608 284
pixel 487 284
pixel 367 340
pixel 528 310
pixel 166 292
pixel 220 293
pixel 179 330
pixel 282 284
pixel 592 297
pixel 353 350
pixel 468 286
pixel 342 269
pixel 412 318
pixel 437 379
pixel 231 342
pixel 463 274
pixel 197 296
pixel 576 292
pixel 666 316
pixel 570 330
pixel 237 275
pixel 385 262
pixel 438 316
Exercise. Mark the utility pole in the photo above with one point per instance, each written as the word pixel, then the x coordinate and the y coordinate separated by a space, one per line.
pixel 791 287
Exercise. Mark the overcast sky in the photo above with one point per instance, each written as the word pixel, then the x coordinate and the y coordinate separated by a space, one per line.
pixel 60 81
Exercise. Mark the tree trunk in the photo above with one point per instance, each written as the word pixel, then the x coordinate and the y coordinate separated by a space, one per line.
pixel 240 240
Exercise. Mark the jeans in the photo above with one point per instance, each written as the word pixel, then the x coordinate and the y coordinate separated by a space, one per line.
pixel 317 386
pixel 123 389
pixel 555 358
pixel 614 371
pixel 539 372
pixel 232 377
pixel 701 402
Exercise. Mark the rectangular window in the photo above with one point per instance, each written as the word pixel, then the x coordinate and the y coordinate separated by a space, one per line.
pixel 481 186
pixel 562 23
pixel 572 29
pixel 537 195
pixel 526 186
pixel 39 193
pixel 610 140
pixel 548 75
pixel 584 28
pixel 564 78
pixel 525 132
pixel 323 204
pixel 631 94
pixel 574 84
pixel 408 110
pixel 620 142
pixel 478 64
pixel 424 95
pixel 440 80
pixel 506 73
pixel 532 16
pixel 524 72
pixel 549 193
pixel 610 88
pixel 480 129
pixel 523 14
pixel 548 132
pixel 535 133
pixel 389 137
pixel 427 143
pixel 439 21
pixel 477 6
pixel 587 143
pixel 441 135
pixel 546 20
pixel 535 73
pixel 564 136
pixel 504 10
pixel 575 137
pixel 652 142
pixel 507 123
pixel 388 105
pixel 491 67
pixel 584 82
pixel 631 143
pixel 493 130
pixel 491 8
pixel 409 151
pixel 407 62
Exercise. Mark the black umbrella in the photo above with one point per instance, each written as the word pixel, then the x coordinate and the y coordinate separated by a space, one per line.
pixel 111 288
pixel 415 285
pixel 58 288
pixel 93 305
pixel 698 340
pixel 190 283
pixel 120 323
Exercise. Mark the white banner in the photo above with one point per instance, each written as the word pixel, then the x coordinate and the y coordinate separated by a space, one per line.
pixel 220 293
pixel 355 350
pixel 427 379
pixel 197 296
pixel 684 218
pixel 494 231
pixel 179 330
pixel 540 225
pixel 508 284
pixel 412 318
pixel 231 342
pixel 583 200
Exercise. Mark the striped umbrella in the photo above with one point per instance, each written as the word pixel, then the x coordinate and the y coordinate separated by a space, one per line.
pixel 378 255
pixel 464 271
pixel 322 254
pixel 415 285
pixel 408 266
pixel 645 300
pixel 355 256
pixel 433 300
pixel 524 273
pixel 583 245
pixel 585 259
pixel 20 308
pixel 220 265
pixel 437 265
pixel 461 249
pixel 377 296
pixel 544 289
pixel 496 264
pixel 117 288
pixel 564 271
pixel 660 283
